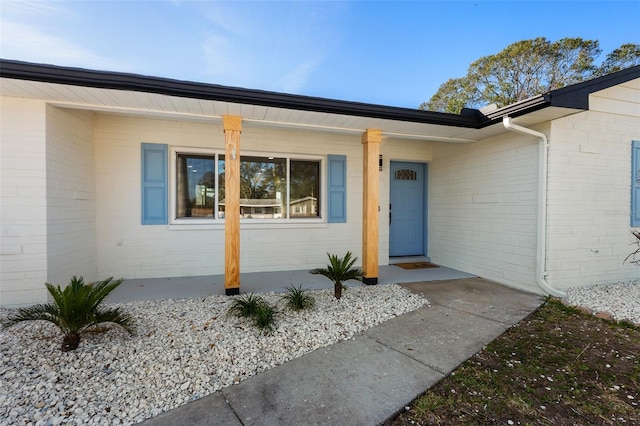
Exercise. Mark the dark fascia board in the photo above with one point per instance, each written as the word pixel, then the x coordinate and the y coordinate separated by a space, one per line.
pixel 577 95
pixel 164 86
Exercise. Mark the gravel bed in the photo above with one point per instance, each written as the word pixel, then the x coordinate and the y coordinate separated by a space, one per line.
pixel 621 299
pixel 183 350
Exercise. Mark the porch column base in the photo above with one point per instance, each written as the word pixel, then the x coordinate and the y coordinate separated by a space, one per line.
pixel 232 291
pixel 370 280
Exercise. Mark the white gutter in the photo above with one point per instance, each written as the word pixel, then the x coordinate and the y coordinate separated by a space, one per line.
pixel 541 256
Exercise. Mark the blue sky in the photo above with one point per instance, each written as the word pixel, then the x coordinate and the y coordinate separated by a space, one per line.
pixel 384 52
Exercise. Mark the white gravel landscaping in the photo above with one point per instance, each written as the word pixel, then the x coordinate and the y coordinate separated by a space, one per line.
pixel 183 350
pixel 621 299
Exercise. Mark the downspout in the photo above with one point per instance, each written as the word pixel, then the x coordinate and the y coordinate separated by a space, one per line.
pixel 541 256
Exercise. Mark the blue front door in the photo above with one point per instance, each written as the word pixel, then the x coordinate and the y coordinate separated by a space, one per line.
pixel 406 209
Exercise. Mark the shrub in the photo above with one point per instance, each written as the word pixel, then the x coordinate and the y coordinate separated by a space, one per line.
pixel 635 255
pixel 265 317
pixel 75 310
pixel 298 299
pixel 340 270
pixel 245 306
pixel 257 309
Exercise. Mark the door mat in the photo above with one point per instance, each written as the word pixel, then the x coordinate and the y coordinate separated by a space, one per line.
pixel 416 265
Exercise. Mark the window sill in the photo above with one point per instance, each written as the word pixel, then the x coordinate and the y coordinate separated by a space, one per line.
pixel 250 224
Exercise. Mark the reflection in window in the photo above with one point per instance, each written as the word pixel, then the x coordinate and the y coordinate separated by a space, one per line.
pixel 263 186
pixel 195 186
pixel 268 188
pixel 304 188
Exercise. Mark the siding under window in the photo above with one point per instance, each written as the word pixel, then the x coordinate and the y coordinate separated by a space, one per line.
pixel 635 183
pixel 154 184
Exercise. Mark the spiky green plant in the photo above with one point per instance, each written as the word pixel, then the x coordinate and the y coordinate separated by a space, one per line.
pixel 245 306
pixel 298 299
pixel 339 270
pixel 261 313
pixel 264 318
pixel 76 309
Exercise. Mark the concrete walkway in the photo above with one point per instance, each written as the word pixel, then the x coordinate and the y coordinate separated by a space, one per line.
pixel 368 379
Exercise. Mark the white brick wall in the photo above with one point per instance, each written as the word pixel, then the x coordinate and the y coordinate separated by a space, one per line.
pixel 71 230
pixel 23 209
pixel 70 200
pixel 482 208
pixel 589 194
pixel 128 249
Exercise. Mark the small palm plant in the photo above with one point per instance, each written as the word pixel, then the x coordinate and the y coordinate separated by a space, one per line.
pixel 75 310
pixel 340 270
pixel 298 299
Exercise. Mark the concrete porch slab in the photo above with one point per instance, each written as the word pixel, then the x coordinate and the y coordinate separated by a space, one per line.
pixel 260 282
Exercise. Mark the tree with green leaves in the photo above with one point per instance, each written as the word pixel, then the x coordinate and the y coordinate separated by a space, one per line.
pixel 623 57
pixel 528 68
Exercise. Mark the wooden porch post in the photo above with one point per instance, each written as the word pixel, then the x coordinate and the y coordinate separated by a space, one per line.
pixel 232 125
pixel 371 139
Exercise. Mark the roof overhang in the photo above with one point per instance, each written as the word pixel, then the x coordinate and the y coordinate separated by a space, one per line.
pixel 132 94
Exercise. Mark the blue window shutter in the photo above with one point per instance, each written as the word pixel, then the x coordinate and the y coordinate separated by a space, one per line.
pixel 635 183
pixel 337 177
pixel 154 184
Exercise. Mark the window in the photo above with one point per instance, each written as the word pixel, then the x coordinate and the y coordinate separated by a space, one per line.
pixel 263 187
pixel 406 174
pixel 304 189
pixel 195 185
pixel 270 187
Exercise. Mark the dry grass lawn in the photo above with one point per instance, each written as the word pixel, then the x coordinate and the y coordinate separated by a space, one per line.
pixel 559 366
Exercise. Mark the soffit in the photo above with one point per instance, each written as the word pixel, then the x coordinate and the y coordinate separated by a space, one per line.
pixel 129 102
